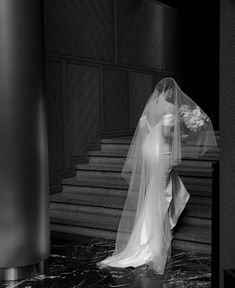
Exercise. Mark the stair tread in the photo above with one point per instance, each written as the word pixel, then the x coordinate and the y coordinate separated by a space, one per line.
pixel 120 161
pixel 117 167
pixel 123 154
pixel 195 207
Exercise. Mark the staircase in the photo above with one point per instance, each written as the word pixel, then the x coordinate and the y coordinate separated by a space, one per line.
pixel 91 203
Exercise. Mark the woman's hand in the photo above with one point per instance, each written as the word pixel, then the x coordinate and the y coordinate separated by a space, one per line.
pixel 143 121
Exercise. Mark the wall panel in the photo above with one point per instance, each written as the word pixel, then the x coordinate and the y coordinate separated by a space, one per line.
pixel 81 28
pixel 139 33
pixel 173 41
pixel 141 89
pixel 55 119
pixel 102 59
pixel 83 106
pixel 115 100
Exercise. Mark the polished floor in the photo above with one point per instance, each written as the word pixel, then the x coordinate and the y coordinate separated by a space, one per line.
pixel 73 265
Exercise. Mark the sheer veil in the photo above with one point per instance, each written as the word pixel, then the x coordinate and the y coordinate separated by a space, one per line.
pixel 192 134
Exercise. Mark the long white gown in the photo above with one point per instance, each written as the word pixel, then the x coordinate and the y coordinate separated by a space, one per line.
pixel 150 241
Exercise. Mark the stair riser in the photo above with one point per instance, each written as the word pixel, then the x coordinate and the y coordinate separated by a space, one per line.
pixel 115 169
pixel 110 200
pixel 107 218
pixel 125 147
pixel 120 162
pixel 112 180
pixel 120 154
pixel 127 140
pixel 192 237
pixel 194 190
pixel 109 235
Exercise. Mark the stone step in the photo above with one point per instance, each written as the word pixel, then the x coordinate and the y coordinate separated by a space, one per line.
pixel 120 161
pixel 198 188
pixel 70 231
pixel 125 147
pixel 209 156
pixel 196 206
pixel 127 139
pixel 117 167
pixel 114 180
pixel 109 196
pixel 188 228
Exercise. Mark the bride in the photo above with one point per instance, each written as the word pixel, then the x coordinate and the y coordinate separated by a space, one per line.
pixel 171 127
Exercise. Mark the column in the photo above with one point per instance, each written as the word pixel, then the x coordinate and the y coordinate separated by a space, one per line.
pixel 24 209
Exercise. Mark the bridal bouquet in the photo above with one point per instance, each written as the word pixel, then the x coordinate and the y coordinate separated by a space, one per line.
pixel 194 119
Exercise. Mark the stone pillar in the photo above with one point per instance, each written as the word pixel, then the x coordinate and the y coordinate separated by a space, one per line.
pixel 24 209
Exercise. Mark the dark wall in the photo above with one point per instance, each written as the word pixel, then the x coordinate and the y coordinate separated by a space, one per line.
pixel 227 120
pixel 103 59
pixel 200 49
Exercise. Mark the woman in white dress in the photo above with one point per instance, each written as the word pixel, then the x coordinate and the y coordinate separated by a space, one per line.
pixel 171 127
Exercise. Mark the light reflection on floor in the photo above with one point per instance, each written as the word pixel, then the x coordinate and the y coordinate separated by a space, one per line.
pixel 73 264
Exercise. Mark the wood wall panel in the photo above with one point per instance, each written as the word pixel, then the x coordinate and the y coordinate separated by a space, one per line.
pixel 83 106
pixel 141 89
pixel 173 41
pixel 139 33
pixel 103 59
pixel 115 100
pixel 54 98
pixel 81 28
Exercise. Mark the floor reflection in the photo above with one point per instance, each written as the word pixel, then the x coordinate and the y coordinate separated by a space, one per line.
pixel 73 264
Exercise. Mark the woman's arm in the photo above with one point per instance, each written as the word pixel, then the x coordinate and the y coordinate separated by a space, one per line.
pixel 167 127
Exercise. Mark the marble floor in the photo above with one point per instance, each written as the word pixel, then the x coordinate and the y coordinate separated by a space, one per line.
pixel 73 265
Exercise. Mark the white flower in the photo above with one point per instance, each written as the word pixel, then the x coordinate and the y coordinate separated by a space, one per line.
pixel 200 123
pixel 186 114
pixel 196 112
pixel 193 119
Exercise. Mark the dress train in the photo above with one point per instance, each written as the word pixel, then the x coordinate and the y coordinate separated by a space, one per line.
pixel 150 241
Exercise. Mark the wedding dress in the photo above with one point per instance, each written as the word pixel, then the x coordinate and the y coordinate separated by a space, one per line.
pixel 156 195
